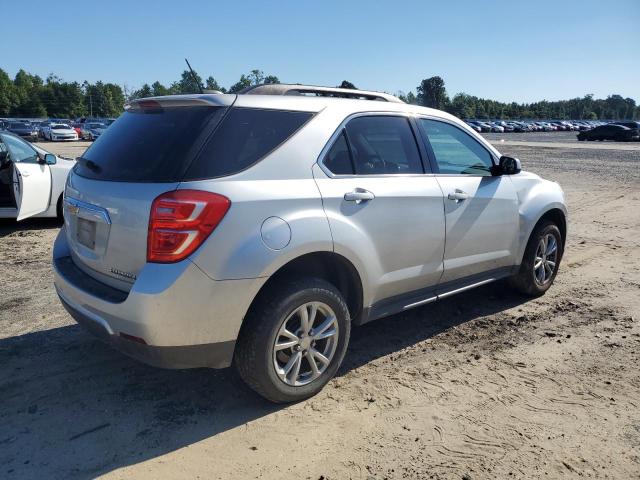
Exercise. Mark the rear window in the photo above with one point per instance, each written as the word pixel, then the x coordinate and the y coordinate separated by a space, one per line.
pixel 245 136
pixel 149 145
pixel 175 144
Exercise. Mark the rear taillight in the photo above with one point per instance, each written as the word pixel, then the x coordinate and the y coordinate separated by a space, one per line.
pixel 180 221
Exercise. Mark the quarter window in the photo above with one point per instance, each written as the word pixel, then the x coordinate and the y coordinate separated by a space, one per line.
pixel 455 151
pixel 338 159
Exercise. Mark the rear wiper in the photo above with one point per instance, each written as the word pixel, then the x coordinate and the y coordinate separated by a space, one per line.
pixel 91 165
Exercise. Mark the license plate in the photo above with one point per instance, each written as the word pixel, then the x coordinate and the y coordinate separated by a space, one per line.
pixel 86 233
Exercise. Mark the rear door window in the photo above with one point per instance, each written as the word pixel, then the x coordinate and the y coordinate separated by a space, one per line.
pixel 383 145
pixel 152 144
pixel 245 136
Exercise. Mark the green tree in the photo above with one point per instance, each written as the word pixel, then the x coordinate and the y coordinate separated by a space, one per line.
pixel 255 77
pixel 62 99
pixel 463 106
pixel 104 99
pixel 431 93
pixel 142 92
pixel 8 97
pixel 347 84
pixel 212 84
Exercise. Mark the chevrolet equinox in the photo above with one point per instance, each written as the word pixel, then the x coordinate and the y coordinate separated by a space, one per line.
pixel 255 229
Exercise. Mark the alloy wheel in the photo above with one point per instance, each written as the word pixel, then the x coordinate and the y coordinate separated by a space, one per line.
pixel 546 259
pixel 305 344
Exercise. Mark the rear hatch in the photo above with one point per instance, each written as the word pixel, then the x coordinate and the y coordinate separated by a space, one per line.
pixel 109 195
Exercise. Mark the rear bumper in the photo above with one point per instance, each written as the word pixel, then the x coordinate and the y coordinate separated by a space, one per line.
pixel 186 319
pixel 213 355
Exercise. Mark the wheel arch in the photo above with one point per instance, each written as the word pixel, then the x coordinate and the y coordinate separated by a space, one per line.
pixel 555 213
pixel 330 266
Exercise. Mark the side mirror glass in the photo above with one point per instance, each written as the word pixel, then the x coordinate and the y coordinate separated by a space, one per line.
pixel 50 159
pixel 509 166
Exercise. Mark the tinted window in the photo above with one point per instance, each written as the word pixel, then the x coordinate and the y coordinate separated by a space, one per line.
pixel 149 145
pixel 456 152
pixel 338 159
pixel 245 136
pixel 383 145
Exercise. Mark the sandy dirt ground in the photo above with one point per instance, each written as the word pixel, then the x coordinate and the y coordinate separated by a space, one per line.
pixel 484 385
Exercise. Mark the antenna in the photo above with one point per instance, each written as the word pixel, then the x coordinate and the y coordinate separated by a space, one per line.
pixel 193 75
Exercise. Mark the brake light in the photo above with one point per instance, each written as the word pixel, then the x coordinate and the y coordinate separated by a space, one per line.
pixel 180 221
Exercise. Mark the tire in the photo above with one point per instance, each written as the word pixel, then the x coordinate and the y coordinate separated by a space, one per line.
pixel 263 369
pixel 528 279
pixel 59 210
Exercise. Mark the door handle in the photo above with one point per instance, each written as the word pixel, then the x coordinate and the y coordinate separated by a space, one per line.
pixel 359 195
pixel 458 195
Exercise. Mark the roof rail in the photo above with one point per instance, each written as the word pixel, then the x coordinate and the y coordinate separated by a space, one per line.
pixel 311 90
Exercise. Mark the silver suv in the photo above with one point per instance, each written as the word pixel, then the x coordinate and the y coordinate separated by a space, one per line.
pixel 256 229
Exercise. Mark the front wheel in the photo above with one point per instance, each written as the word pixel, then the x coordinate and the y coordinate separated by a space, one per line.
pixel 293 340
pixel 541 260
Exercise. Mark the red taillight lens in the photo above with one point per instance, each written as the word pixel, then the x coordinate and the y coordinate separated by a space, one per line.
pixel 180 221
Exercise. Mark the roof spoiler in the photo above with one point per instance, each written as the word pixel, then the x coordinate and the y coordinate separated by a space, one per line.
pixel 310 90
pixel 180 101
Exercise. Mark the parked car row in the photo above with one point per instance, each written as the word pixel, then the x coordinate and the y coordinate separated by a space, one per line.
pixel 56 130
pixel 589 130
pixel 503 126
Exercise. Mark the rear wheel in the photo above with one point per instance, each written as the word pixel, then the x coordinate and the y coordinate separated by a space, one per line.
pixel 293 340
pixel 541 260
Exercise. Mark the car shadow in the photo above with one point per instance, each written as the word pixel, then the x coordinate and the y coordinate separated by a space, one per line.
pixel 72 407
pixel 10 225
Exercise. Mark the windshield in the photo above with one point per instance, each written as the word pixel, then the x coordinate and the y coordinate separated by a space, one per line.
pixel 59 127
pixel 96 125
pixel 19 125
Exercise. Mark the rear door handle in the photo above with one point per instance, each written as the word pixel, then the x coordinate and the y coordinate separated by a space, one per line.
pixel 458 195
pixel 359 195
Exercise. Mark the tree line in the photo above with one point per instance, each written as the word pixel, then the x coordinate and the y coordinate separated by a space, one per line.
pixel 432 93
pixel 30 96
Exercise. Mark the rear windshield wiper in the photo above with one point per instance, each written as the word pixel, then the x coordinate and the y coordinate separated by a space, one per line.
pixel 90 164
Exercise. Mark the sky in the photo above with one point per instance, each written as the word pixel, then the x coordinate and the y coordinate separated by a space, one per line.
pixel 503 50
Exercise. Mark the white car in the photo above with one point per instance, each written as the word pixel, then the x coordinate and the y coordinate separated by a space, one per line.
pixel 61 132
pixel 31 179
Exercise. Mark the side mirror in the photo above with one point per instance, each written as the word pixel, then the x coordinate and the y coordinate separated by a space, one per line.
pixel 50 159
pixel 508 166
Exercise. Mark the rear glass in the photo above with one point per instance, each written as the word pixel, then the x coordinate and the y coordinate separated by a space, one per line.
pixel 149 145
pixel 245 136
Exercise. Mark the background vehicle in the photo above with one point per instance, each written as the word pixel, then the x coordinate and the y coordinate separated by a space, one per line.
pixel 31 179
pixel 473 126
pixel 78 128
pixel 256 228
pixel 23 129
pixel 496 127
pixel 612 131
pixel 60 132
pixel 91 131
